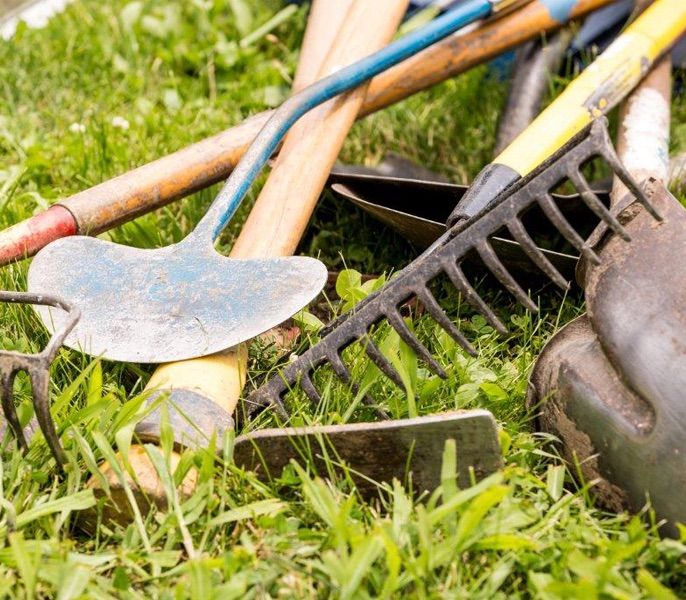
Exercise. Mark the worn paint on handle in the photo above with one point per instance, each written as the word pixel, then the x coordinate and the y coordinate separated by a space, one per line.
pixel 600 87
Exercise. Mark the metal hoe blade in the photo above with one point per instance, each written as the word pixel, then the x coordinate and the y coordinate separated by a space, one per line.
pixel 376 453
pixel 168 304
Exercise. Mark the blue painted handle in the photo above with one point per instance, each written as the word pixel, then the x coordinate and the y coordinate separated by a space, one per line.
pixel 266 142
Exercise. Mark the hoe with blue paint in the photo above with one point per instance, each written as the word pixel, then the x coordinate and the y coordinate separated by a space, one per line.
pixel 186 300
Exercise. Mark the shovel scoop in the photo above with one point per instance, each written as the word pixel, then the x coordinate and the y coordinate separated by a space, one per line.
pixel 185 300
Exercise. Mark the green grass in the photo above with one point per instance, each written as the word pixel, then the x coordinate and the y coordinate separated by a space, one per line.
pixel 173 71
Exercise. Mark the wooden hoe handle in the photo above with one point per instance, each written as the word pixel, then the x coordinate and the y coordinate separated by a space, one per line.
pixel 208 388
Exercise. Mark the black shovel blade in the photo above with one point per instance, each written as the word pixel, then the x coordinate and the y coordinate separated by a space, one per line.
pixel 418 209
pixel 377 453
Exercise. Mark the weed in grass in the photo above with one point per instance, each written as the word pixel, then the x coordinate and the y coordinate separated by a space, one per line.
pixel 177 71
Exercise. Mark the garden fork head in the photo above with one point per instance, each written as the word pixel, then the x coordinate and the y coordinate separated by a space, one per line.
pixel 37 366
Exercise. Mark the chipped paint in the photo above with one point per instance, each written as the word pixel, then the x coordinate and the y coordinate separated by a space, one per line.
pixel 560 10
pixel 646 132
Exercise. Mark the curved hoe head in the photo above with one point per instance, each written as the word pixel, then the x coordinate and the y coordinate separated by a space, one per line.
pixel 168 304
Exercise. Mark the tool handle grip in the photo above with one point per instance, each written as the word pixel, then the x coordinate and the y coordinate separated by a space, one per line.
pixel 235 189
pixel 592 94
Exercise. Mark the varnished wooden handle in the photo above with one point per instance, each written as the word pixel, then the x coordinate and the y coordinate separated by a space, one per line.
pixel 220 377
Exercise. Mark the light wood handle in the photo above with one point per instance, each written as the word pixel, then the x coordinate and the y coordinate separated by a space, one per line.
pixel 220 378
pixel 323 24
pixel 643 136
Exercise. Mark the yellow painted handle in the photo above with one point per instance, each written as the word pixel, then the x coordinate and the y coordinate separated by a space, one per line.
pixel 600 87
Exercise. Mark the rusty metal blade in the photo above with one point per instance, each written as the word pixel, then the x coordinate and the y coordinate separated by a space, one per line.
pixel 377 453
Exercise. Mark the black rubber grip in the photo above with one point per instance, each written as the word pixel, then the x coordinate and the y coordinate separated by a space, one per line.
pixel 490 182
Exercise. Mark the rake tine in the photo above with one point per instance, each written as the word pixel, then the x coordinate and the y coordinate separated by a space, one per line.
pixel 458 279
pixel 382 362
pixel 411 340
pixel 10 410
pixel 521 236
pixel 339 367
pixel 491 260
pixel 594 203
pixel 610 155
pixel 556 217
pixel 434 309
pixel 41 404
pixel 309 389
pixel 343 374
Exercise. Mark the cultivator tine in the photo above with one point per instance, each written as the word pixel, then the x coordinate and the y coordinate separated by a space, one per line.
pixel 384 365
pixel 458 279
pixel 10 410
pixel 521 236
pixel 398 323
pixel 445 256
pixel 500 272
pixel 37 367
pixel 594 203
pixel 556 217
pixel 435 310
pixel 40 383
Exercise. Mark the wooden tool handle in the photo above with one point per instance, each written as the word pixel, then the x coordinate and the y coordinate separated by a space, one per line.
pixel 283 209
pixel 643 136
pixel 219 379
pixel 644 120
pixel 323 25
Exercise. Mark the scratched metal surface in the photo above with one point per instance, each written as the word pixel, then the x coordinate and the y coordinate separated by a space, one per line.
pixel 168 304
pixel 379 452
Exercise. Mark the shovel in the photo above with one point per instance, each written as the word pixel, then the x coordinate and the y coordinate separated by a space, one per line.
pixel 186 300
pixel 610 384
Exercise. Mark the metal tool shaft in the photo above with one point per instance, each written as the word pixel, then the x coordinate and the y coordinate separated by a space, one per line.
pixel 267 141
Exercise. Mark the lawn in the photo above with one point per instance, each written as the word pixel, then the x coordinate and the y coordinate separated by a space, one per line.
pixel 111 85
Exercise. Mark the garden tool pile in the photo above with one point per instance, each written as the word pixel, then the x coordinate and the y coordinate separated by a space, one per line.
pixel 607 385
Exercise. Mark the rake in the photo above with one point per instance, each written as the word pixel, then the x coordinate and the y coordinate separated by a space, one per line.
pixel 445 258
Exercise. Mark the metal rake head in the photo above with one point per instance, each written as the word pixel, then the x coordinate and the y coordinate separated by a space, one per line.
pixel 445 257
pixel 37 366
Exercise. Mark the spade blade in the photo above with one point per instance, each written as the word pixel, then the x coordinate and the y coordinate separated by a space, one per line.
pixel 373 453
